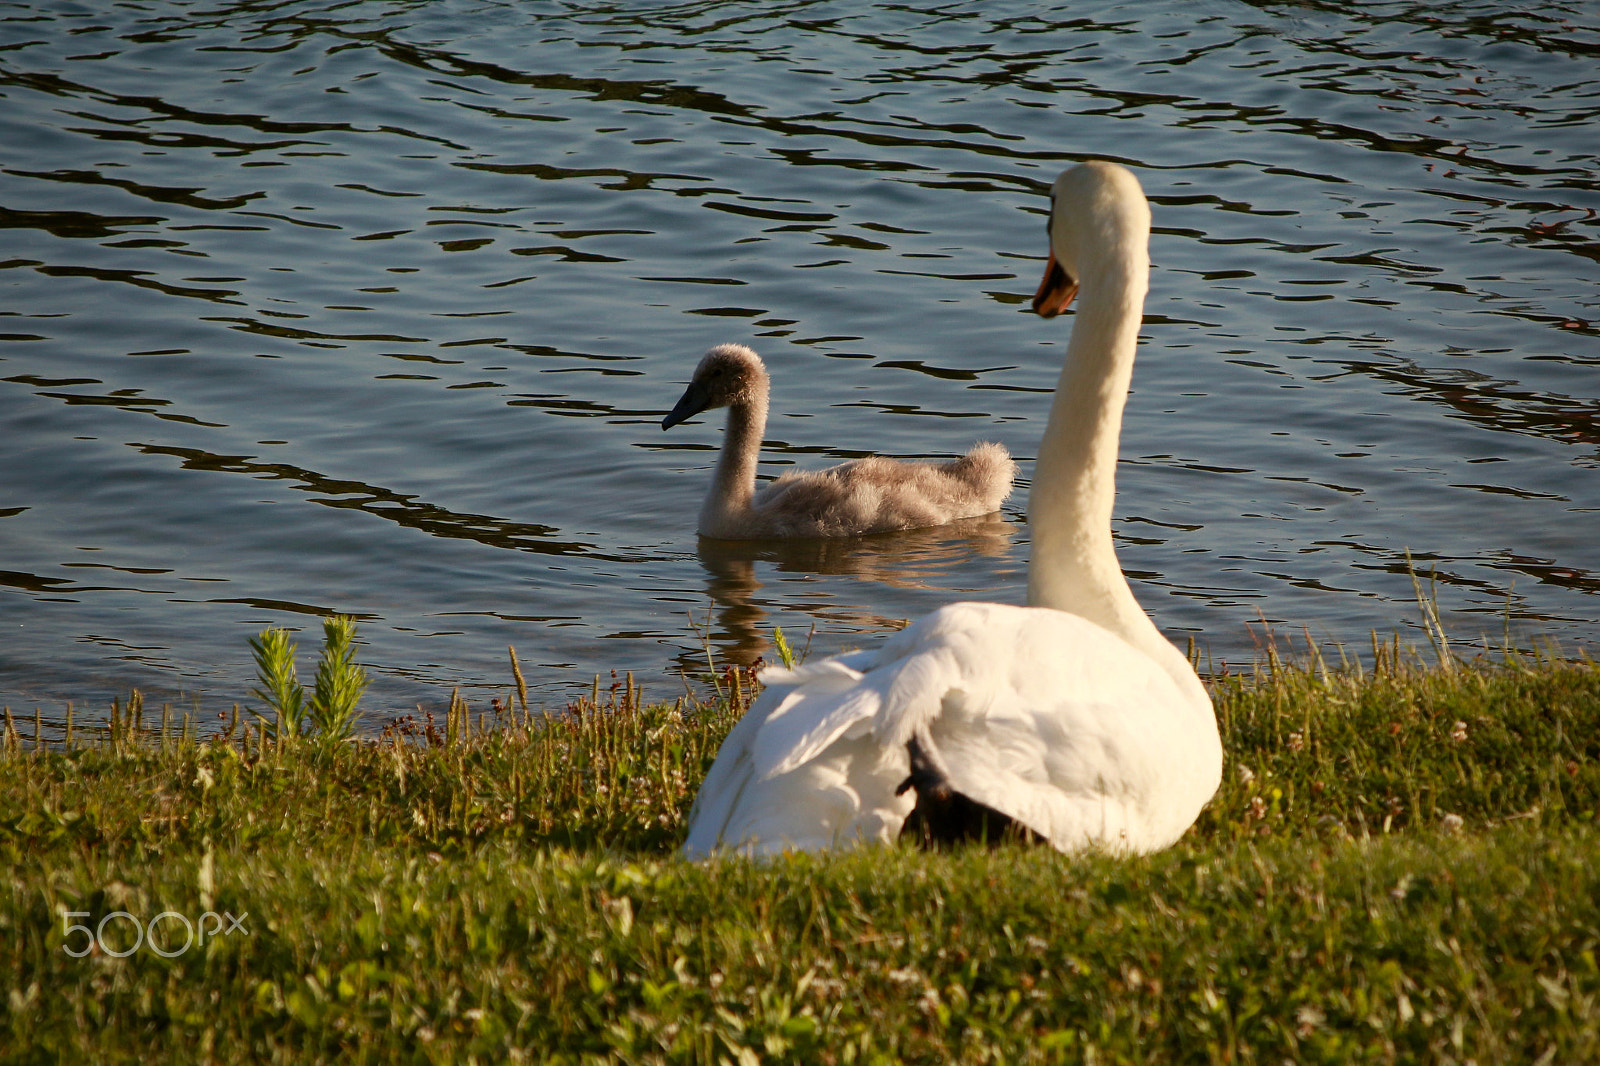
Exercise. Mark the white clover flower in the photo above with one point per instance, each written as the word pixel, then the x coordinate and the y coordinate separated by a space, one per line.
pixel 906 976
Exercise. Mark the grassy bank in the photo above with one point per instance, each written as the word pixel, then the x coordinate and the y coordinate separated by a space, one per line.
pixel 1400 866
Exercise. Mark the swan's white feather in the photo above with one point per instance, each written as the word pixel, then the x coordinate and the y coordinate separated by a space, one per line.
pixel 1040 714
pixel 821 706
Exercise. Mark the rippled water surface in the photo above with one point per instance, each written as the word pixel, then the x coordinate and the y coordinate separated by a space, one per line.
pixel 316 307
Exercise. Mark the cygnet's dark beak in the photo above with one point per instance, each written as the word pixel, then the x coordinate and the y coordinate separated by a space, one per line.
pixel 692 402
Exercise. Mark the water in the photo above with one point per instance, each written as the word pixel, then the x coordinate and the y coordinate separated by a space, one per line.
pixel 374 308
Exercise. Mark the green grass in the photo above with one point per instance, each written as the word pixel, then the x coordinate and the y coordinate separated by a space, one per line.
pixel 1400 866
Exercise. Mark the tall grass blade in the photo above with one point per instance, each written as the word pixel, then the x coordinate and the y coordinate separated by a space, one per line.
pixel 1428 604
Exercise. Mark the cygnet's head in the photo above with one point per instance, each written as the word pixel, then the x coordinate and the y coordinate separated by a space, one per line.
pixel 1098 216
pixel 728 374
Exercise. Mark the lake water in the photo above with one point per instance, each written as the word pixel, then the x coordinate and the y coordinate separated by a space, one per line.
pixel 375 308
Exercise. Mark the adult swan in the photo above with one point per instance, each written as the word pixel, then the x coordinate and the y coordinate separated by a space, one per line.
pixel 1070 719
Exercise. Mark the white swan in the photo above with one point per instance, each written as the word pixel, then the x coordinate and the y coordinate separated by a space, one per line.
pixel 869 495
pixel 1071 718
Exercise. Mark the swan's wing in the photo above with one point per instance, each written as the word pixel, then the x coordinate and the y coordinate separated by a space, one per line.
pixel 1085 739
pixel 1052 720
pixel 808 767
pixel 817 706
pixel 755 797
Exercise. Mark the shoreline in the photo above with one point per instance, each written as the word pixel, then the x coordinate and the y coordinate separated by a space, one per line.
pixel 1399 864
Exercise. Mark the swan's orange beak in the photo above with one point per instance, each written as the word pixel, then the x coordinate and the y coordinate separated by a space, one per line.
pixel 1055 291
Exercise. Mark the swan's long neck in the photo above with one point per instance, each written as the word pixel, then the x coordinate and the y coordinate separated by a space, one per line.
pixel 733 484
pixel 1074 562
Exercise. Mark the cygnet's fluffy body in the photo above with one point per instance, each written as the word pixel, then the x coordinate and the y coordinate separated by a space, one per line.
pixel 869 495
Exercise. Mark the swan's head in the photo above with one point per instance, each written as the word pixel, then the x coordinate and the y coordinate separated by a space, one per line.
pixel 1098 218
pixel 728 374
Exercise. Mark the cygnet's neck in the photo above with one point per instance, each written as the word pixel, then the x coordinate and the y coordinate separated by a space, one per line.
pixel 1073 565
pixel 733 484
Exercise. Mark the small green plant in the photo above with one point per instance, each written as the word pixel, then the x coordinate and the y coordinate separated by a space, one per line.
pixel 784 653
pixel 280 688
pixel 336 697
pixel 334 706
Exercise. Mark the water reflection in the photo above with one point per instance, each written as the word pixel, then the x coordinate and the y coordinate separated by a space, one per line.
pixel 911 559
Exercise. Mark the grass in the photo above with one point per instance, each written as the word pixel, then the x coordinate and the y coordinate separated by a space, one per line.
pixel 1402 865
